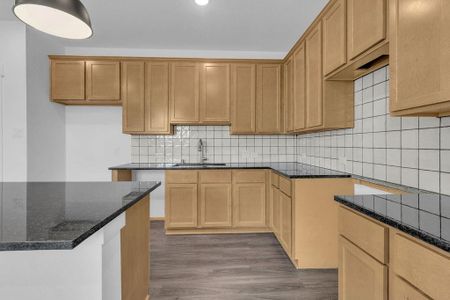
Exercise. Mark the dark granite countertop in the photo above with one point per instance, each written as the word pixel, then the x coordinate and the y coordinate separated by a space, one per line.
pixel 425 216
pixel 61 215
pixel 287 169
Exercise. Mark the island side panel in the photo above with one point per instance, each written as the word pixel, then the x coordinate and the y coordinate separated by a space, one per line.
pixel 135 252
pixel 122 175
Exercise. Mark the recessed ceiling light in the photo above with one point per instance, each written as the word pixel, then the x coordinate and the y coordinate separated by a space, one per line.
pixel 63 18
pixel 201 2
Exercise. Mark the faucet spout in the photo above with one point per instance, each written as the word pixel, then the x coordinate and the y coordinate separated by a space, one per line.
pixel 201 147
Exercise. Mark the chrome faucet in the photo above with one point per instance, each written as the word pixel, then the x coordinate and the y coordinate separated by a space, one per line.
pixel 201 147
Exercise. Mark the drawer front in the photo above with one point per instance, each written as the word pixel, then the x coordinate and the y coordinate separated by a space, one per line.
pixel 274 179
pixel 215 176
pixel 285 185
pixel 181 176
pixel 249 176
pixel 426 269
pixel 368 235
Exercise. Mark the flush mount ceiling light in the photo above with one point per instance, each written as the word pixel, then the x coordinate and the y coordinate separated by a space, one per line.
pixel 63 18
pixel 201 2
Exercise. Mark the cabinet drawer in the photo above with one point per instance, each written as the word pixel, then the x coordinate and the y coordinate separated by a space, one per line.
pixel 249 176
pixel 368 235
pixel 215 176
pixel 285 185
pixel 181 176
pixel 274 179
pixel 426 269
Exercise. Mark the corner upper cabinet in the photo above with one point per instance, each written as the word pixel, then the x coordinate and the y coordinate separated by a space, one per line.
pixel 133 94
pixel 185 93
pixel 268 99
pixel 67 80
pixel 103 80
pixel 314 78
pixel 243 98
pixel 419 57
pixel 215 93
pixel 288 83
pixel 334 37
pixel 366 25
pixel 299 89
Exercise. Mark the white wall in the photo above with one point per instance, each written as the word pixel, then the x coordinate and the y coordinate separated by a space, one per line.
pixel 13 118
pixel 94 142
pixel 45 119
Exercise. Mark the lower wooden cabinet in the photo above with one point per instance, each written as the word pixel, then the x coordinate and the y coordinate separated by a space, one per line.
pixel 181 205
pixel 215 205
pixel 401 290
pixel 249 205
pixel 275 211
pixel 360 275
pixel 286 222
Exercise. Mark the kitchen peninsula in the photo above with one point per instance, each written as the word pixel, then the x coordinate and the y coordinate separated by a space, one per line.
pixel 74 240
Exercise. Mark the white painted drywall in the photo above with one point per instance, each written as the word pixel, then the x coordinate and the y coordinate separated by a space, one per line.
pixel 14 112
pixel 45 119
pixel 94 142
pixel 157 196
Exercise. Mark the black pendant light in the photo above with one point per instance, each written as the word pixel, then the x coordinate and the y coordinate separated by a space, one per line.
pixel 63 18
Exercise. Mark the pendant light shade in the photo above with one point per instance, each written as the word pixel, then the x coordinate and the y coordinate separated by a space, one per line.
pixel 63 18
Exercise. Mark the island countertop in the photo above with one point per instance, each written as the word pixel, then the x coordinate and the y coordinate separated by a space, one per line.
pixel 61 215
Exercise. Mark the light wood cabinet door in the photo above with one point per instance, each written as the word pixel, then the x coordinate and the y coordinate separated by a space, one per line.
pixel 401 290
pixel 215 95
pixel 289 95
pixel 181 205
pixel 268 100
pixel 67 80
pixel 133 89
pixel 249 205
pixel 314 78
pixel 243 97
pixel 360 275
pixel 103 80
pixel 276 214
pixel 185 93
pixel 299 85
pixel 334 37
pixel 366 25
pixel 157 98
pixel 419 56
pixel 215 205
pixel 286 222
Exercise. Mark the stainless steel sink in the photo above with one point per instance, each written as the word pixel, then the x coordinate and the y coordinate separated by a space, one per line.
pixel 198 165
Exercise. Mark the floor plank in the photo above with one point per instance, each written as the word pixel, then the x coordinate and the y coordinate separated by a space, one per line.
pixel 230 267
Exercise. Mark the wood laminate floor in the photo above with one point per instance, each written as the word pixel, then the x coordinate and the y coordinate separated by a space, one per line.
pixel 230 267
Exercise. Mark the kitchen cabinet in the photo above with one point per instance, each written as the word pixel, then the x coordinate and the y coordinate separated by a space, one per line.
pixel 275 211
pixel 281 211
pixel 249 205
pixel 133 96
pixel 334 36
pixel 103 80
pixel 215 93
pixel 366 25
pixel 67 80
pixel 314 78
pixel 286 222
pixel 400 289
pixel 299 89
pixel 181 205
pixel 360 275
pixel 419 57
pixel 268 99
pixel 243 97
pixel 185 93
pixel 288 98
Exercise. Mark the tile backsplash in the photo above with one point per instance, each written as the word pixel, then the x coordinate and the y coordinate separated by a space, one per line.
pixel 413 151
pixel 409 150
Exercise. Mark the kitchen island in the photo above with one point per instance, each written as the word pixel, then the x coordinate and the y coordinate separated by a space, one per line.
pixel 74 240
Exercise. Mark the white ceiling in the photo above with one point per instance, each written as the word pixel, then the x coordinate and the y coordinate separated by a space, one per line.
pixel 225 25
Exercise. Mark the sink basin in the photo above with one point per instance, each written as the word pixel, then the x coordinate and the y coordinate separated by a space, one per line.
pixel 198 165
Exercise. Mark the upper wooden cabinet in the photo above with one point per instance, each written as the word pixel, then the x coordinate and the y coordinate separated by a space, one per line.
pixel 367 24
pixel 103 80
pixel 314 78
pixel 133 94
pixel 288 93
pixel 67 80
pixel 299 89
pixel 243 98
pixel 268 99
pixel 185 92
pixel 334 37
pixel 420 57
pixel 215 93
